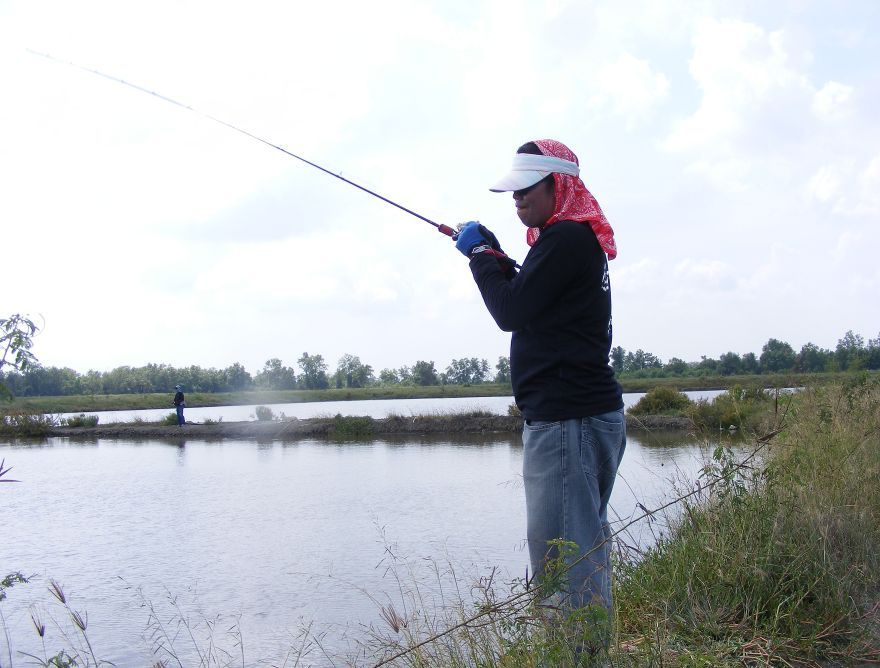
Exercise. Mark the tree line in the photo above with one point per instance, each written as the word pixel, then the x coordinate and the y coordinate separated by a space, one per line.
pixel 851 354
pixel 313 372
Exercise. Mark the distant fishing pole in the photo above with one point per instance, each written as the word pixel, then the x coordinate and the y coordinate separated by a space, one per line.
pixel 443 229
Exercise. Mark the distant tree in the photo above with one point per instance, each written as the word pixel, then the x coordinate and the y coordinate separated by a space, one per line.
pixel 811 358
pixel 776 356
pixel 467 371
pixel 729 364
pixel 405 374
pixel 424 374
pixel 639 360
pixel 389 377
pixel 706 366
pixel 503 369
pixel 618 359
pixel 750 363
pixel 851 352
pixel 350 372
pixel 873 352
pixel 675 367
pixel 313 372
pixel 275 376
pixel 236 378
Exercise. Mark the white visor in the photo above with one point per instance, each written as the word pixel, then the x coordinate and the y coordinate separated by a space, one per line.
pixel 528 169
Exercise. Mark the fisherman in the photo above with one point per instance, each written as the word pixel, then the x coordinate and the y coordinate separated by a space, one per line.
pixel 179 404
pixel 558 308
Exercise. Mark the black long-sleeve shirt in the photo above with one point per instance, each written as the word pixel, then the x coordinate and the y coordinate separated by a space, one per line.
pixel 559 310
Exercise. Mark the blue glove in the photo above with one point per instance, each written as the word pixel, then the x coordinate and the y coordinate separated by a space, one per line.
pixel 469 237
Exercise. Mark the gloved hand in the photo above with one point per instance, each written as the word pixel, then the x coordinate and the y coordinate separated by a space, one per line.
pixel 470 236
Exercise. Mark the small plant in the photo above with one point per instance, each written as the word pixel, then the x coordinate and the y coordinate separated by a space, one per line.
pixel 3 472
pixel 170 419
pixel 514 411
pixel 81 420
pixel 264 413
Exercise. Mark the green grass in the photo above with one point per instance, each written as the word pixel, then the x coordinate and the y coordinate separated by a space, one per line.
pixel 779 564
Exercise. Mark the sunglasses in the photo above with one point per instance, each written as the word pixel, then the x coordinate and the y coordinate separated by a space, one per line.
pixel 525 191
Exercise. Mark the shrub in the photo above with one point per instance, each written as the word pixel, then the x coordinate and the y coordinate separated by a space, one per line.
pixel 26 424
pixel 351 426
pixel 170 419
pixel 662 401
pixel 81 420
pixel 743 408
pixel 264 413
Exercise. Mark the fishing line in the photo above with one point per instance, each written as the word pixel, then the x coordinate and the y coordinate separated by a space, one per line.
pixel 443 229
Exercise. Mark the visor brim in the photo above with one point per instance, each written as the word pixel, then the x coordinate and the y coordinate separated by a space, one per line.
pixel 517 180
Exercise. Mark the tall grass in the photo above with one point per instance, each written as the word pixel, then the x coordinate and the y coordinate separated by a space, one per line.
pixel 778 564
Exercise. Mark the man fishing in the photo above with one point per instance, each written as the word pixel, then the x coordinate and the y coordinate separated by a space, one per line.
pixel 558 308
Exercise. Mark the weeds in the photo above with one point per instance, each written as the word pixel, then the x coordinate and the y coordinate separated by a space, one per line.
pixel 777 563
pixel 17 423
pixel 741 408
pixel 81 420
pixel 351 426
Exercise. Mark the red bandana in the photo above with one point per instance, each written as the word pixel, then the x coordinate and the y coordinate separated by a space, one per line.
pixel 574 201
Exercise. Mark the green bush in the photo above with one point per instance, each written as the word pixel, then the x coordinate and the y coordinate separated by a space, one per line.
pixel 170 419
pixel 81 420
pixel 351 426
pixel 662 401
pixel 740 407
pixel 264 413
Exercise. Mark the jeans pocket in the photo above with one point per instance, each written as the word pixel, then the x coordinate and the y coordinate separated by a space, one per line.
pixel 541 425
pixel 602 441
pixel 612 422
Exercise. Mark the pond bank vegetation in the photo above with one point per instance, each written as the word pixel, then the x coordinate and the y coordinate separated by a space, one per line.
pixel 773 559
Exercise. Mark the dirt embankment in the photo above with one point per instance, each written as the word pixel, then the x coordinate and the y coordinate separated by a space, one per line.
pixel 344 427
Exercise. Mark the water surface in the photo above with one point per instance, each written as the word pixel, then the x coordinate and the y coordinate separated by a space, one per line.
pixel 273 536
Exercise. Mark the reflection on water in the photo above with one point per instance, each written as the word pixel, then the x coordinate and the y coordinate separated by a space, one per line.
pixel 276 534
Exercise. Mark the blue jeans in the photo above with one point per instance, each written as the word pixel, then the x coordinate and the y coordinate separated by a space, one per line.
pixel 568 472
pixel 180 419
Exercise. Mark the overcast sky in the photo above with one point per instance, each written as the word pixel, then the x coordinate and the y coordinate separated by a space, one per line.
pixel 734 146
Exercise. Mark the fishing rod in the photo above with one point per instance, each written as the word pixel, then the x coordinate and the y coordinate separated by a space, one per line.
pixel 443 229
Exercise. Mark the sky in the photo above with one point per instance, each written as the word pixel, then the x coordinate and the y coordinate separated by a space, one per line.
pixel 734 147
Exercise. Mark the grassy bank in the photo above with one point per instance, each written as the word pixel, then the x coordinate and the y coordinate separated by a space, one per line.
pixel 779 564
pixel 112 402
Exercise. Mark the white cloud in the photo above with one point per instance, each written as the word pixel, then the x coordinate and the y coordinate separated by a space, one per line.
pixel 628 87
pixel 833 101
pixel 740 68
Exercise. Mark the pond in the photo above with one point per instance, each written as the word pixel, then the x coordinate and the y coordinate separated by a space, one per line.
pixel 263 540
